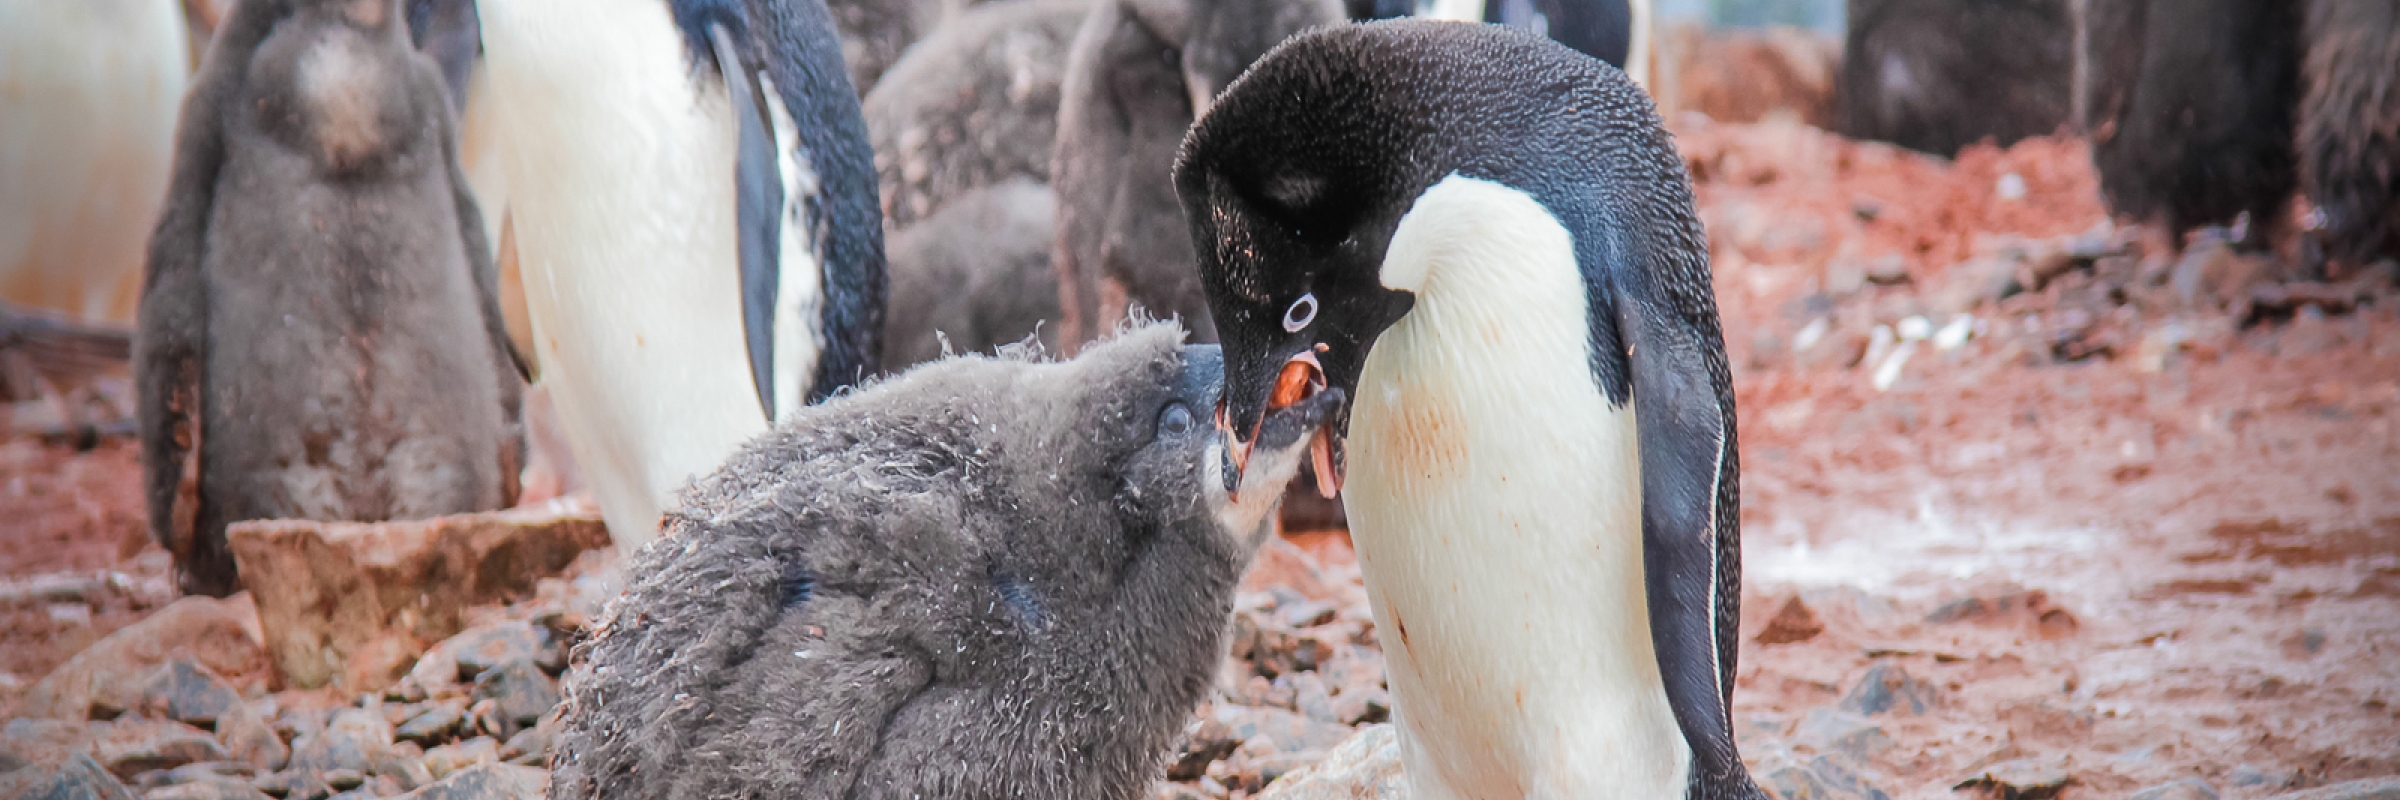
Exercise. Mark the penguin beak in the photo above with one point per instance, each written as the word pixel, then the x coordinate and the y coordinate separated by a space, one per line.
pixel 1298 403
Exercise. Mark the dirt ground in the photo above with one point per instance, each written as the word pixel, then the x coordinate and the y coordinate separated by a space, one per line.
pixel 2115 534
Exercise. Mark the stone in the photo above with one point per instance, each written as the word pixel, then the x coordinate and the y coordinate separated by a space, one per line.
pixel 352 605
pixel 1311 697
pixel 2020 779
pixel 441 761
pixel 221 635
pixel 1972 283
pixel 1205 740
pixel 250 739
pixel 2186 789
pixel 1365 766
pixel 292 785
pixel 2387 788
pixel 487 782
pixel 195 773
pixel 1820 779
pixel 1886 688
pixel 488 647
pixel 1358 706
pixel 132 746
pixel 403 765
pixel 1845 277
pixel 41 772
pixel 49 732
pixel 184 691
pixel 1280 563
pixel 530 747
pixel 217 789
pixel 1890 269
pixel 520 694
pixel 433 726
pixel 1286 731
pixel 350 741
pixel 1795 622
pixel 1830 732
pixel 1170 790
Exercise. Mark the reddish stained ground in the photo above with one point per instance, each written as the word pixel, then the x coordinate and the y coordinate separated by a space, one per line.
pixel 2215 542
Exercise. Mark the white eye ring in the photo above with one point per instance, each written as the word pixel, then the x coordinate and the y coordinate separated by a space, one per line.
pixel 1302 312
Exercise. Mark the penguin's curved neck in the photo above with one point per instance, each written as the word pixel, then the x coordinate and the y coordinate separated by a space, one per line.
pixel 1496 497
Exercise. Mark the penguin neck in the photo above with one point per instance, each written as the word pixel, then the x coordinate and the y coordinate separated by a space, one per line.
pixel 1495 495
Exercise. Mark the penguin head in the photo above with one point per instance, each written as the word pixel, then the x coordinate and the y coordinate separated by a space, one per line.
pixel 1297 178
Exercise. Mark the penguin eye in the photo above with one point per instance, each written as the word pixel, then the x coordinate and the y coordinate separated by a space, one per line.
pixel 1177 421
pixel 1302 312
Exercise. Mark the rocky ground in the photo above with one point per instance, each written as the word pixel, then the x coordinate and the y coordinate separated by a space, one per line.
pixel 2033 508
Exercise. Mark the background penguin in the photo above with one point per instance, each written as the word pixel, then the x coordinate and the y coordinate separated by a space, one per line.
pixel 692 203
pixel 87 126
pixel 971 106
pixel 973 277
pixel 1138 74
pixel 1615 31
pixel 2191 110
pixel 318 322
pixel 1938 75
pixel 1488 241
pixel 935 588
pixel 2349 134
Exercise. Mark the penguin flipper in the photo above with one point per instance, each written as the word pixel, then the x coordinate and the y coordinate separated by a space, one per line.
pixel 511 369
pixel 170 345
pixel 1683 409
pixel 758 187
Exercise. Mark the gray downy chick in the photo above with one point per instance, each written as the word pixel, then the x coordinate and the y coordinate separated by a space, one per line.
pixel 984 578
pixel 319 332
pixel 1139 73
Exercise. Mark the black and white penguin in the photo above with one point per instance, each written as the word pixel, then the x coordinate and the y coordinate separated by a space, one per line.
pixel 87 128
pixel 691 198
pixel 1615 31
pixel 1489 242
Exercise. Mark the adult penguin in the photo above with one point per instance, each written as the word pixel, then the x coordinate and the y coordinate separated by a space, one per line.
pixel 1489 242
pixel 692 202
pixel 1615 31
pixel 87 133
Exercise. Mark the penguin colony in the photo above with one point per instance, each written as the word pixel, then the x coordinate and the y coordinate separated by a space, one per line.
pixel 1504 268
pixel 989 577
pixel 2199 113
pixel 315 175
pixel 992 576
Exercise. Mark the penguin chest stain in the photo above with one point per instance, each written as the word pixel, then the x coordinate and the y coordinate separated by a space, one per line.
pixel 346 92
pixel 1417 429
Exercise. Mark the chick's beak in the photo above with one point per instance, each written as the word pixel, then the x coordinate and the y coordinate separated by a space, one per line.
pixel 1300 383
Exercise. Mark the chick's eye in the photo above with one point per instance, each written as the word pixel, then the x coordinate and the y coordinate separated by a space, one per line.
pixel 1302 312
pixel 1176 420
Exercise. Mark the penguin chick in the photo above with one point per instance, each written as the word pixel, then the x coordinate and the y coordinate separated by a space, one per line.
pixel 973 277
pixel 318 323
pixel 985 578
pixel 972 105
pixel 1139 73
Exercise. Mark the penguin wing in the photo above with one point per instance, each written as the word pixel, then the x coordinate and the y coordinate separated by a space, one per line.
pixel 758 206
pixel 511 369
pixel 1682 394
pixel 171 338
pixel 836 204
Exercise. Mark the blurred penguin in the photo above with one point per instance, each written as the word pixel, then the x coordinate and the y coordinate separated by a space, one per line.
pixel 86 128
pixel 1139 73
pixel 691 200
pixel 319 335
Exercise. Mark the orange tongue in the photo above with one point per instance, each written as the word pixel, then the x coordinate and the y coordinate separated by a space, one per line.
pixel 1302 378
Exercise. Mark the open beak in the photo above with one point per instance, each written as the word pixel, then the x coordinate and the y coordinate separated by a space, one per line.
pixel 1296 405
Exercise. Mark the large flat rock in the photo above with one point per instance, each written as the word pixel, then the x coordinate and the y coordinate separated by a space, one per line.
pixel 352 605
